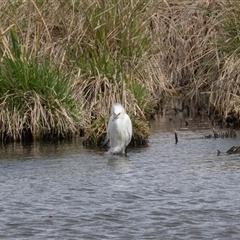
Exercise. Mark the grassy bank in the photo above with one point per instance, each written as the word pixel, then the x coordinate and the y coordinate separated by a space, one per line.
pixel 202 49
pixel 63 63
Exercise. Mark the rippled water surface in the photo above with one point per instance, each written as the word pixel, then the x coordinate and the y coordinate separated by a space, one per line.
pixel 165 191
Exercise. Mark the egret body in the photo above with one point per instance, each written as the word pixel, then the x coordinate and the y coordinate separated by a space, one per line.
pixel 119 130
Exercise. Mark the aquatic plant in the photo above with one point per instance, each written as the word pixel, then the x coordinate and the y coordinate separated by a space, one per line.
pixel 36 99
pixel 136 52
pixel 98 44
pixel 198 54
pixel 225 94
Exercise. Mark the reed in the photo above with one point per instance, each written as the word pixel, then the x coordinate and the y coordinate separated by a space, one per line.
pixel 186 55
pixel 101 46
pixel 36 99
pixel 224 98
pixel 198 53
pixel 67 68
pixel 113 51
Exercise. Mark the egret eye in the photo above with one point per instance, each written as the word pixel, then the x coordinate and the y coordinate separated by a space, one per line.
pixel 116 114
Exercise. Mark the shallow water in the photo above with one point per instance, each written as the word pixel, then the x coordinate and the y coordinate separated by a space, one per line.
pixel 164 191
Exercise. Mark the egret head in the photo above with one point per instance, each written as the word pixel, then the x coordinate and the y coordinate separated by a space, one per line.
pixel 117 110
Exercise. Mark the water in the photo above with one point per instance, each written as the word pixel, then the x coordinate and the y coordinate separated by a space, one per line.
pixel 165 191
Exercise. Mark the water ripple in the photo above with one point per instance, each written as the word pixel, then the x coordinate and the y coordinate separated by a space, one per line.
pixel 165 191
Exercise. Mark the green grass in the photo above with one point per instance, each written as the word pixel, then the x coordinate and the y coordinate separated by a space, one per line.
pixel 37 100
pixel 228 29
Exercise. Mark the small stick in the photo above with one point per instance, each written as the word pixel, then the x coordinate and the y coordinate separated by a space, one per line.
pixel 176 137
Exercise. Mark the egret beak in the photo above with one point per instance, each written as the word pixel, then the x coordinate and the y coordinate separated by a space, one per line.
pixel 116 116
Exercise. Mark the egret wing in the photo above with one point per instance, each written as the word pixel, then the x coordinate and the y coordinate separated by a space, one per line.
pixel 128 125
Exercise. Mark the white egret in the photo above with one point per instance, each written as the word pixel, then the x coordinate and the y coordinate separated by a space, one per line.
pixel 119 131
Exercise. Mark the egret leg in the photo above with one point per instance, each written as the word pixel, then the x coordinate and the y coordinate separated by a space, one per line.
pixel 126 152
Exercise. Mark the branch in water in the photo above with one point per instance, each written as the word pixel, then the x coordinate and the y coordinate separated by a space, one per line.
pixel 176 137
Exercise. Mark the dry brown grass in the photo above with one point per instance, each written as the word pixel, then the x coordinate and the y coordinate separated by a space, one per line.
pixel 195 51
pixel 136 53
pixel 225 94
pixel 185 49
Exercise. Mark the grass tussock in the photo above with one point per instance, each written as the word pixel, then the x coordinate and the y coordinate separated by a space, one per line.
pixel 36 101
